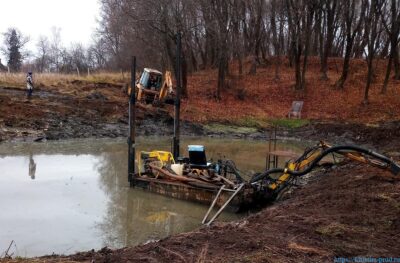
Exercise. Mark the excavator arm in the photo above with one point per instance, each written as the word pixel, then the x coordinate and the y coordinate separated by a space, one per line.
pixel 310 160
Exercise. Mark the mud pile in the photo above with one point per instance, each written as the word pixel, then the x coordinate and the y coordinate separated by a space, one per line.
pixel 381 135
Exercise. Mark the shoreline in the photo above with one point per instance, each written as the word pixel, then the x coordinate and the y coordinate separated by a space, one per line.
pixel 384 136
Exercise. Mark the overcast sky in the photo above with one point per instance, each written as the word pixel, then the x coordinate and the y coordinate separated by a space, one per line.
pixel 76 18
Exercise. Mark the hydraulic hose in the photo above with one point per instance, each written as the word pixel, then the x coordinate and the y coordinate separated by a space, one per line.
pixel 393 167
pixel 231 165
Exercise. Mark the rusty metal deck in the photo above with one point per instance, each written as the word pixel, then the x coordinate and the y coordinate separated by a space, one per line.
pixel 187 192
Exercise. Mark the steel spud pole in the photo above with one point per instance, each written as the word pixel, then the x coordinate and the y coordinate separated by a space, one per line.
pixel 132 121
pixel 178 97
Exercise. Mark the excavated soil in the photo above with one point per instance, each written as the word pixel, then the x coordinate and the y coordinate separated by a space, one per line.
pixel 382 135
pixel 346 211
pixel 77 109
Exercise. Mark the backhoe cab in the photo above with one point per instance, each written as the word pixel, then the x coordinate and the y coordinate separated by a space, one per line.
pixel 152 88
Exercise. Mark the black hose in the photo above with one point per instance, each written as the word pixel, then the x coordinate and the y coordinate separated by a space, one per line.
pixel 307 152
pixel 393 167
pixel 232 166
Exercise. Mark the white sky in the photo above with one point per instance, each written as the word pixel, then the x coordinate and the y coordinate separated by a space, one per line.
pixel 76 18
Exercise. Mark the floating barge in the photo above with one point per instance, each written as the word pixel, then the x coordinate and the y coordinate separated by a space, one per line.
pixel 182 191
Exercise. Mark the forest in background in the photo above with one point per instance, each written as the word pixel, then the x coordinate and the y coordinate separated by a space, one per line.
pixel 217 32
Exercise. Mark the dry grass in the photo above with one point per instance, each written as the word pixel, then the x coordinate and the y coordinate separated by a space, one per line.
pixel 53 79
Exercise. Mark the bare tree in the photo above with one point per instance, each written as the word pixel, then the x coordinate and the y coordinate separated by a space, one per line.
pixel 300 19
pixel 352 23
pixel 275 35
pixel 43 53
pixel 216 32
pixel 393 31
pixel 55 48
pixel 371 34
pixel 330 9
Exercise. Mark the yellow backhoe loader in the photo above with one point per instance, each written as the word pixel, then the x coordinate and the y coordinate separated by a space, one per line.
pixel 153 88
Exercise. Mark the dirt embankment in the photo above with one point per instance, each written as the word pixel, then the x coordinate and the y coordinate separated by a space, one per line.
pixel 65 107
pixel 384 136
pixel 80 109
pixel 351 210
pixel 76 109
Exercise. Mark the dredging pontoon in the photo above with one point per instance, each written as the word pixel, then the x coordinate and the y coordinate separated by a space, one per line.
pixel 220 184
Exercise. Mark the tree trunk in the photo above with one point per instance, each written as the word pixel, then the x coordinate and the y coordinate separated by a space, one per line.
pixel 253 67
pixel 240 61
pixel 369 79
pixel 387 75
pixel 297 62
pixel 346 64
pixel 221 77
pixel 184 76
pixel 275 39
pixel 396 64
pixel 330 22
pixel 308 24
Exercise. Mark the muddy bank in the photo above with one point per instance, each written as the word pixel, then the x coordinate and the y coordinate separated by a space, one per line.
pixel 384 136
pixel 80 109
pixel 83 110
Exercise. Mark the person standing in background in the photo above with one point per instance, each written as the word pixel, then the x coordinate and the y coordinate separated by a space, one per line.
pixel 29 84
pixel 32 167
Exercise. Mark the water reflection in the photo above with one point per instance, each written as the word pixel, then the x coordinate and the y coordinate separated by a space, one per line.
pixel 134 216
pixel 32 167
pixel 80 193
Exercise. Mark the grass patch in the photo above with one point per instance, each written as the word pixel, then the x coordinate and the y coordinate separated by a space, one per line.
pixel 251 122
pixel 222 128
pixel 289 123
pixel 251 125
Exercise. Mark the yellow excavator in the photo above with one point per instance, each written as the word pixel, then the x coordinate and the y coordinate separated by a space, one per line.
pixel 154 88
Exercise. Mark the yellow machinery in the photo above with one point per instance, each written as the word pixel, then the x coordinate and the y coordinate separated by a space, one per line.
pixel 162 157
pixel 271 186
pixel 152 87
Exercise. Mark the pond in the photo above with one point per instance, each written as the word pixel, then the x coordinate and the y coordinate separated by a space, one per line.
pixel 69 196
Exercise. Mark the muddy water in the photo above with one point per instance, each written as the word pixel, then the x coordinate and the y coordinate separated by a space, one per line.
pixel 63 197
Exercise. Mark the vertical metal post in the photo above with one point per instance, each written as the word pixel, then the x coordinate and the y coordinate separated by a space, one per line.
pixel 132 121
pixel 178 97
